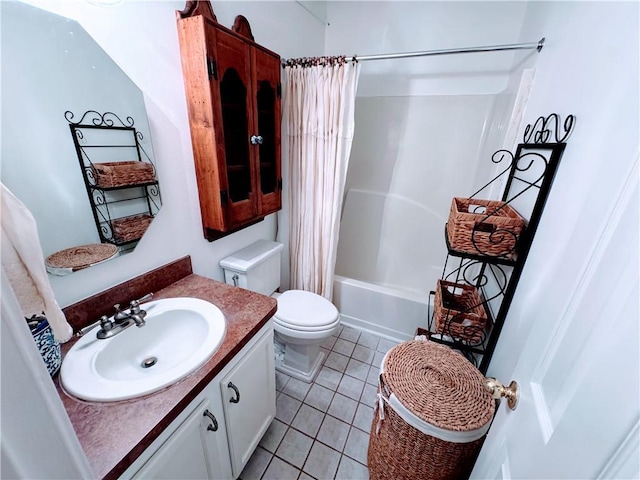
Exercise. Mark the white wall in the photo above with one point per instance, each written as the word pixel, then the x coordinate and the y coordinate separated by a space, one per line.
pixel 589 68
pixel 141 37
pixel 365 28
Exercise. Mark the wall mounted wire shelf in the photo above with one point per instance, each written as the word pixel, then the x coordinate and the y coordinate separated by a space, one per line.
pixel 119 175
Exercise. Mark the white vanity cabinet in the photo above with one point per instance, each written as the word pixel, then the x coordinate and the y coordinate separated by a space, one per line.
pixel 215 435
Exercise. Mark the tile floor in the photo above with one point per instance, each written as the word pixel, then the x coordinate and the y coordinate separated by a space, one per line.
pixel 321 430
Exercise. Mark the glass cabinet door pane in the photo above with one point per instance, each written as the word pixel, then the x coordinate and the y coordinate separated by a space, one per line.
pixel 233 96
pixel 266 97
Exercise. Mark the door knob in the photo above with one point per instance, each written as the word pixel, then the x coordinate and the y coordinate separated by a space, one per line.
pixel 498 390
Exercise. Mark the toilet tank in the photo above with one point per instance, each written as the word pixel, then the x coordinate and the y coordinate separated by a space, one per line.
pixel 255 267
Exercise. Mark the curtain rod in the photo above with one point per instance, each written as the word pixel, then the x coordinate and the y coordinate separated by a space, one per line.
pixel 450 51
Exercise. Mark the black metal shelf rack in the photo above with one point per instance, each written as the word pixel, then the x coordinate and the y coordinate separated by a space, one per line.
pixel 529 176
pixel 106 137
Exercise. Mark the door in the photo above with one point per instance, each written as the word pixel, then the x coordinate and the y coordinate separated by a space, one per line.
pixel 237 179
pixel 249 401
pixel 266 122
pixel 578 372
pixel 191 452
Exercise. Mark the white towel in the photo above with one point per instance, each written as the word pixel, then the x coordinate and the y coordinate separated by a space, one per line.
pixel 23 262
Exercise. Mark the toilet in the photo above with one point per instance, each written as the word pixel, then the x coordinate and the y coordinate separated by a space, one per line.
pixel 303 319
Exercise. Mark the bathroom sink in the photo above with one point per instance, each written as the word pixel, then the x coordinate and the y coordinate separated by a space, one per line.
pixel 180 335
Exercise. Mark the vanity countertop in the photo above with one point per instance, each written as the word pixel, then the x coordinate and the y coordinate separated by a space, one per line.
pixel 114 434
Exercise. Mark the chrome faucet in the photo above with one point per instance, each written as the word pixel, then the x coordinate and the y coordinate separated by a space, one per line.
pixel 135 313
pixel 123 320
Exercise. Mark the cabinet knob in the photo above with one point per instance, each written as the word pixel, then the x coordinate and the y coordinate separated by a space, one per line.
pixel 213 427
pixel 236 391
pixel 256 140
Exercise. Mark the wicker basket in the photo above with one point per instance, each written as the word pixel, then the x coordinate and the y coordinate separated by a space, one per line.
pixel 121 174
pixel 436 415
pixel 484 227
pixel 127 229
pixel 77 258
pixel 459 311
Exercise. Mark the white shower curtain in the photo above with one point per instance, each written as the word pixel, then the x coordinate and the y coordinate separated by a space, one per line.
pixel 319 121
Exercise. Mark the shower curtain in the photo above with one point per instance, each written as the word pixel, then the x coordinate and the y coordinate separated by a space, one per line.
pixel 319 122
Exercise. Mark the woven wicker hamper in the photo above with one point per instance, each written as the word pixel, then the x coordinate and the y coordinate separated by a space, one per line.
pixel 435 414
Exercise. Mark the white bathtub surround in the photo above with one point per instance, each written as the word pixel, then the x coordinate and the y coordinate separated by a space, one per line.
pixel 411 155
pixel 319 105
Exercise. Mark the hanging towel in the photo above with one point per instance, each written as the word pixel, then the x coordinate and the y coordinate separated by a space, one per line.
pixel 23 262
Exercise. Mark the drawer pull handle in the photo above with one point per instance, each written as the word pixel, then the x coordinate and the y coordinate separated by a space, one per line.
pixel 213 427
pixel 236 391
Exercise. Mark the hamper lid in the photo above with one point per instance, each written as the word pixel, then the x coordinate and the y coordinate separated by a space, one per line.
pixel 438 385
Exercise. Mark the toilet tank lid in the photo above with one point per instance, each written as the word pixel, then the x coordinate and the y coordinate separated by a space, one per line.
pixel 251 256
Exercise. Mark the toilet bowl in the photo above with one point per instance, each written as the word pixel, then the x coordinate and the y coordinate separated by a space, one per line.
pixel 303 319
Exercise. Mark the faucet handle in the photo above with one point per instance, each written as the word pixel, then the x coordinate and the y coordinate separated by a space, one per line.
pixel 119 316
pixel 135 304
pixel 105 323
pixel 146 298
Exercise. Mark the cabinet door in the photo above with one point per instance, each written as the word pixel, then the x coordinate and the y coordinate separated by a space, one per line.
pixel 237 178
pixel 198 51
pixel 266 122
pixel 249 401
pixel 191 452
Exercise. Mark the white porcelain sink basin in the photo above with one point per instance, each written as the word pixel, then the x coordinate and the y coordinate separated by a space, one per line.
pixel 180 335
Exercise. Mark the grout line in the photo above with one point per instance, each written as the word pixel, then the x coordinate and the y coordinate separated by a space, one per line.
pixel 267 467
pixel 326 413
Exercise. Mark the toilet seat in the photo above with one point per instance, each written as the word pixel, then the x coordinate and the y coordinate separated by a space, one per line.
pixel 298 328
pixel 305 312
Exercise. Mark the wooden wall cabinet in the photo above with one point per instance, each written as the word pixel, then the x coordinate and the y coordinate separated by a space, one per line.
pixel 233 95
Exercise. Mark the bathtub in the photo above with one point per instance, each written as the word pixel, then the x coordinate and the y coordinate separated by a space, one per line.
pixel 386 311
pixel 390 255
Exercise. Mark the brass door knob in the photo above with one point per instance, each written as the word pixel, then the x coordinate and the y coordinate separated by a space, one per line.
pixel 498 390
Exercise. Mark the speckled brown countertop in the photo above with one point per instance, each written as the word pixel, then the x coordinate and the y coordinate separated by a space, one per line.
pixel 114 434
